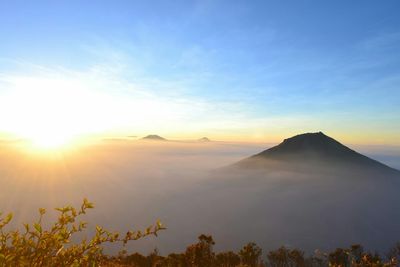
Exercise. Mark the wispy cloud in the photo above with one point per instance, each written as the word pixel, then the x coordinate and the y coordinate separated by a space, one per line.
pixel 381 41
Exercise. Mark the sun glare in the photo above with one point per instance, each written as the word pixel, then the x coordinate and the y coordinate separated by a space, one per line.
pixel 50 113
pixel 49 141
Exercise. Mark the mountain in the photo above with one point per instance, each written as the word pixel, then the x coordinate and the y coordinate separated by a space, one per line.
pixel 311 150
pixel 310 191
pixel 204 139
pixel 154 137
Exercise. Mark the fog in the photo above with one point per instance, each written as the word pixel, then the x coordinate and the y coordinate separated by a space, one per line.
pixel 134 183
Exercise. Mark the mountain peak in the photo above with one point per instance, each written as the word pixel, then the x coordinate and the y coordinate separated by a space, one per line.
pixel 309 145
pixel 154 137
pixel 311 142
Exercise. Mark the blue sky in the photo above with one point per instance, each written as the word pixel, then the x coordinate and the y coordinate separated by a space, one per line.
pixel 237 69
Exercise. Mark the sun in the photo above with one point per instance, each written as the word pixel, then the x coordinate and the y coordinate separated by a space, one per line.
pixel 47 141
pixel 51 113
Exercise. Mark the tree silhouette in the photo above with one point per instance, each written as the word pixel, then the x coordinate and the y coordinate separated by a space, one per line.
pixel 227 259
pixel 250 254
pixel 175 260
pixel 201 254
pixel 284 257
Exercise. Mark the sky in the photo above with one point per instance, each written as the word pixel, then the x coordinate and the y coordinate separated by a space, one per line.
pixel 229 70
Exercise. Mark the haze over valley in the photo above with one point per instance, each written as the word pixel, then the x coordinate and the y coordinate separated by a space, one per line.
pixel 217 188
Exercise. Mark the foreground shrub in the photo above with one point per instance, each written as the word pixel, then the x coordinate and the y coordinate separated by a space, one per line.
pixel 36 246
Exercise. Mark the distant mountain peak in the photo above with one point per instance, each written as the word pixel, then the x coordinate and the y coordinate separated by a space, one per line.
pixel 154 137
pixel 204 139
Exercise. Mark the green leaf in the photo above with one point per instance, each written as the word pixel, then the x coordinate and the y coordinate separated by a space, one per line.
pixel 42 211
pixel 38 227
pixel 8 218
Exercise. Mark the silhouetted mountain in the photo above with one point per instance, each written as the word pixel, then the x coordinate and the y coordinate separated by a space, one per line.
pixel 204 139
pixel 312 150
pixel 303 192
pixel 154 137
